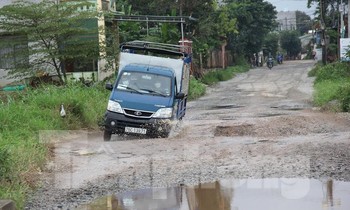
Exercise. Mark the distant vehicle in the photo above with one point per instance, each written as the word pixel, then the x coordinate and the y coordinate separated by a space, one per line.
pixel 150 92
pixel 279 58
pixel 270 62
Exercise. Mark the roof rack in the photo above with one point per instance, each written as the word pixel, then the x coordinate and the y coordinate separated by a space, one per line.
pixel 156 47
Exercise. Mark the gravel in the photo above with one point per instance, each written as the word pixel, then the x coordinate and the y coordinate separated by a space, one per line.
pixel 258 125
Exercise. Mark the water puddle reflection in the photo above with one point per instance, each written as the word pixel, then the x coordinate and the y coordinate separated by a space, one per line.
pixel 262 194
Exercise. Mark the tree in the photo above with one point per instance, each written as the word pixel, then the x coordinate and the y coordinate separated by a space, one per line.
pixel 57 34
pixel 291 43
pixel 271 43
pixel 255 19
pixel 303 22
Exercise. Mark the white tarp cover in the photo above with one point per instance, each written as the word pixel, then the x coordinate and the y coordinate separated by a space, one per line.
pixel 175 64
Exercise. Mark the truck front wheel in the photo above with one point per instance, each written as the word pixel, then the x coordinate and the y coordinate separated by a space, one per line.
pixel 107 135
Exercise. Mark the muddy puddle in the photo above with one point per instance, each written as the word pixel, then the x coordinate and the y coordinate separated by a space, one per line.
pixel 260 194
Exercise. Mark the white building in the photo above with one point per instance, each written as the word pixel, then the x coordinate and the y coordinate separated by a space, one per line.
pixel 286 20
pixel 8 44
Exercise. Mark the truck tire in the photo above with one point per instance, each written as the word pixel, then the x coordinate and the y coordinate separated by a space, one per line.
pixel 107 135
pixel 165 134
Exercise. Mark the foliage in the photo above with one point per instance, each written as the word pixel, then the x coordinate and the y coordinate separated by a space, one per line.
pixel 226 24
pixel 313 71
pixel 327 15
pixel 57 34
pixel 344 96
pixel 334 71
pixel 271 43
pixel 290 42
pixel 332 84
pixel 36 112
pixel 255 19
pixel 217 75
pixel 326 91
pixel 4 163
pixel 303 22
pixel 196 89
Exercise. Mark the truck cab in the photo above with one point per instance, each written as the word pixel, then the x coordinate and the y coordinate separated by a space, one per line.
pixel 150 92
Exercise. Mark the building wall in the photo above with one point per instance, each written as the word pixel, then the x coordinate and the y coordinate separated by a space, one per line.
pixel 3 74
pixel 87 75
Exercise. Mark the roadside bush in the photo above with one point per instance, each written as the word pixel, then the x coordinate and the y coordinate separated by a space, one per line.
pixel 211 77
pixel 196 89
pixel 25 114
pixel 332 85
pixel 326 91
pixel 313 71
pixel 334 71
pixel 344 97
pixel 4 163
pixel 218 75
pixel 241 61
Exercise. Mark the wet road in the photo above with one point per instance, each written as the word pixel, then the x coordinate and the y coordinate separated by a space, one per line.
pixel 263 194
pixel 259 125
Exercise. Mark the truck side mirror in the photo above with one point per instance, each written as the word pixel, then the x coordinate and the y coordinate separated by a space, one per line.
pixel 109 86
pixel 180 96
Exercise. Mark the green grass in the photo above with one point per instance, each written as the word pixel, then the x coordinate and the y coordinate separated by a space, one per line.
pixel 332 83
pixel 25 114
pixel 196 89
pixel 217 75
pixel 326 91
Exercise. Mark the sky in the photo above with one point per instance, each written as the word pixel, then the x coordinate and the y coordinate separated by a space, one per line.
pixel 293 5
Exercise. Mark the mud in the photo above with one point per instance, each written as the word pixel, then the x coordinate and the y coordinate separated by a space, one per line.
pixel 259 125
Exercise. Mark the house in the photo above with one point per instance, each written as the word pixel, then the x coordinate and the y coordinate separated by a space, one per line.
pixel 87 69
pixel 286 20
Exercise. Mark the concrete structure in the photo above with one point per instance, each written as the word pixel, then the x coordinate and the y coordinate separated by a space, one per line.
pixel 286 20
pixel 3 74
pixel 305 39
pixel 98 67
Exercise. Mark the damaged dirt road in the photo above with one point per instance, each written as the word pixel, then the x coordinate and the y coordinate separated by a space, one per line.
pixel 261 124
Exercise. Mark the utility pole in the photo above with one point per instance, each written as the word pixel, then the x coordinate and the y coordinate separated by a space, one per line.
pixel 348 19
pixel 342 30
pixel 323 28
pixel 286 28
pixel 101 69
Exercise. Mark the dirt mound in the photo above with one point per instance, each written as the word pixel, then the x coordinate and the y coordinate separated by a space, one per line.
pixel 283 126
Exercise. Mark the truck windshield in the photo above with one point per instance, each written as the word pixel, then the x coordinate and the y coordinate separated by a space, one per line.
pixel 145 83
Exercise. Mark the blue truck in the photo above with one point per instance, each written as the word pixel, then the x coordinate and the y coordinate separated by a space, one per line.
pixel 150 93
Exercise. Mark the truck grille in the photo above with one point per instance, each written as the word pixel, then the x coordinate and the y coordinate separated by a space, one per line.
pixel 122 124
pixel 138 113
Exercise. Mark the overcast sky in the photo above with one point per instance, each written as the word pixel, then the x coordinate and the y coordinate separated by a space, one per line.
pixel 293 5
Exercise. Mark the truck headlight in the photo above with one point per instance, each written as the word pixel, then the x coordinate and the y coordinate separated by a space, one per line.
pixel 114 107
pixel 163 113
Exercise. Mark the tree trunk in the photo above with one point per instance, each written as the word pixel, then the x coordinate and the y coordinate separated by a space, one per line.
pixel 223 54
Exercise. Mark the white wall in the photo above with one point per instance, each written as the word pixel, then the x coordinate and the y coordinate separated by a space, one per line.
pixel 4 82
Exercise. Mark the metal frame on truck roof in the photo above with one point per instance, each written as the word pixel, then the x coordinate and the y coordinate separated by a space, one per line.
pixel 161 48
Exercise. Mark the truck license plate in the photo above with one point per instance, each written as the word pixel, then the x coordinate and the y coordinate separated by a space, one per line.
pixel 135 130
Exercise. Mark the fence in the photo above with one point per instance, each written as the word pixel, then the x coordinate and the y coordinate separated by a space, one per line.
pixel 214 59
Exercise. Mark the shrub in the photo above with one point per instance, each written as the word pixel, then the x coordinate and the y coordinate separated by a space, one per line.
pixel 344 97
pixel 326 91
pixel 4 163
pixel 334 71
pixel 211 78
pixel 24 114
pixel 196 89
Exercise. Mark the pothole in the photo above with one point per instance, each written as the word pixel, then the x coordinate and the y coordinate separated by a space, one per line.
pixel 270 115
pixel 226 106
pixel 236 130
pixel 292 107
